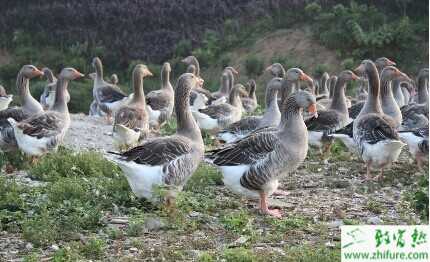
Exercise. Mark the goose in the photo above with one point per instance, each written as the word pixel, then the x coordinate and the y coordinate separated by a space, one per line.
pixel 271 117
pixel 398 94
pixel 29 107
pixel 332 83
pixel 159 103
pixel 416 115
pixel 5 99
pixel 362 90
pixel 418 143
pixel 166 161
pixel 335 118
pixel 226 85
pixel 324 91
pixel 198 89
pixel 47 97
pixel 109 97
pixel 132 121
pixel 249 102
pixel 252 166
pixel 43 132
pixel 423 93
pixel 216 117
pixel 377 140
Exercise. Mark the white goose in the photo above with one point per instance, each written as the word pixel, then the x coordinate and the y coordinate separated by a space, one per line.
pixel 5 99
pixel 166 161
pixel 45 131
pixel 418 143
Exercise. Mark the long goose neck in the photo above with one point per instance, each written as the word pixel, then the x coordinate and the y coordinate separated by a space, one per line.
pixel 60 104
pixel 99 71
pixel 386 88
pixel 234 98
pixel 165 79
pixel 139 95
pixel 231 81
pixel 423 95
pixel 186 125
pixel 291 116
pixel 252 92
pixel 195 62
pixel 225 85
pixel 324 81
pixel 28 102
pixel 288 87
pixel 272 106
pixel 373 103
pixel 338 102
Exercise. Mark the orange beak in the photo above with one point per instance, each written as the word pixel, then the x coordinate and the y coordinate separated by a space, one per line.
pixel 305 77
pixel 268 68
pixel 355 77
pixel 79 74
pixel 37 72
pixel 313 110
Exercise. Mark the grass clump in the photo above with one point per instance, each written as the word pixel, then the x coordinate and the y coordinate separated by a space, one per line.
pixel 239 255
pixel 311 254
pixel 239 222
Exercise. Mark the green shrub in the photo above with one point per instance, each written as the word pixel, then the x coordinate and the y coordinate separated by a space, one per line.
pixel 94 248
pixel 238 255
pixel 239 221
pixel 253 66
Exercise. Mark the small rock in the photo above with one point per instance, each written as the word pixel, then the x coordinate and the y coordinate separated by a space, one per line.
pixel 330 244
pixel 335 224
pixel 54 247
pixel 240 241
pixel 195 214
pixel 374 220
pixel 153 224
pixel 29 246
pixel 133 250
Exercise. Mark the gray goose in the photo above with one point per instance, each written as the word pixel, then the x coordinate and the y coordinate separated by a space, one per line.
pixel 222 94
pixel 198 89
pixel 276 70
pixel 132 121
pixel 253 165
pixel 416 115
pixel 5 99
pixel 47 97
pixel 43 132
pixel 217 117
pixel 109 97
pixel 382 62
pixel 29 107
pixel 270 118
pixel 250 103
pixel 374 133
pixel 166 161
pixel 336 117
pixel 159 103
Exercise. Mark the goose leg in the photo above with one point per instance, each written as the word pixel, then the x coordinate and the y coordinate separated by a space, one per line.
pixel 368 172
pixel 380 176
pixel 265 209
pixel 419 162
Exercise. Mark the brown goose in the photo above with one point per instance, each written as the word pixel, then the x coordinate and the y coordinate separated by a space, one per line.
pixel 29 107
pixel 253 165
pixel 377 140
pixel 250 103
pixel 131 120
pixel 109 97
pixel 333 119
pixel 43 132
pixel 382 62
pixel 159 103
pixel 166 161
pixel 271 117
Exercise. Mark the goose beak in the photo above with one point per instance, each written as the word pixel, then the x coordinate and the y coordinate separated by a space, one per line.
pixel 148 73
pixel 305 77
pixel 234 71
pixel 78 74
pixel 268 68
pixel 405 77
pixel 391 63
pixel 355 77
pixel 312 109
pixel 37 72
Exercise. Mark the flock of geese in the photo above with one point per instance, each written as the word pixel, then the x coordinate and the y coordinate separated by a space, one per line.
pixel 389 111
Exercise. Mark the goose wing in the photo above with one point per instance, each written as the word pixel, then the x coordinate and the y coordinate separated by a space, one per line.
pixel 15 112
pixel 158 99
pixel 109 94
pixel 43 125
pixel 373 128
pixel 355 109
pixel 243 125
pixel 246 151
pixel 328 121
pixel 131 117
pixel 217 111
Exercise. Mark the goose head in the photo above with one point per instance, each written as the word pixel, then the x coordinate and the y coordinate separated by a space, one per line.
pixel 348 75
pixel 113 79
pixel 70 73
pixel 166 67
pixel 306 100
pixel 383 62
pixel 230 68
pixel 189 60
pixel 296 74
pixel 92 76
pixel 49 75
pixel 191 69
pixel 276 70
pixel 424 73
pixel 30 71
pixel 142 70
pixel 96 62
pixel 361 69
